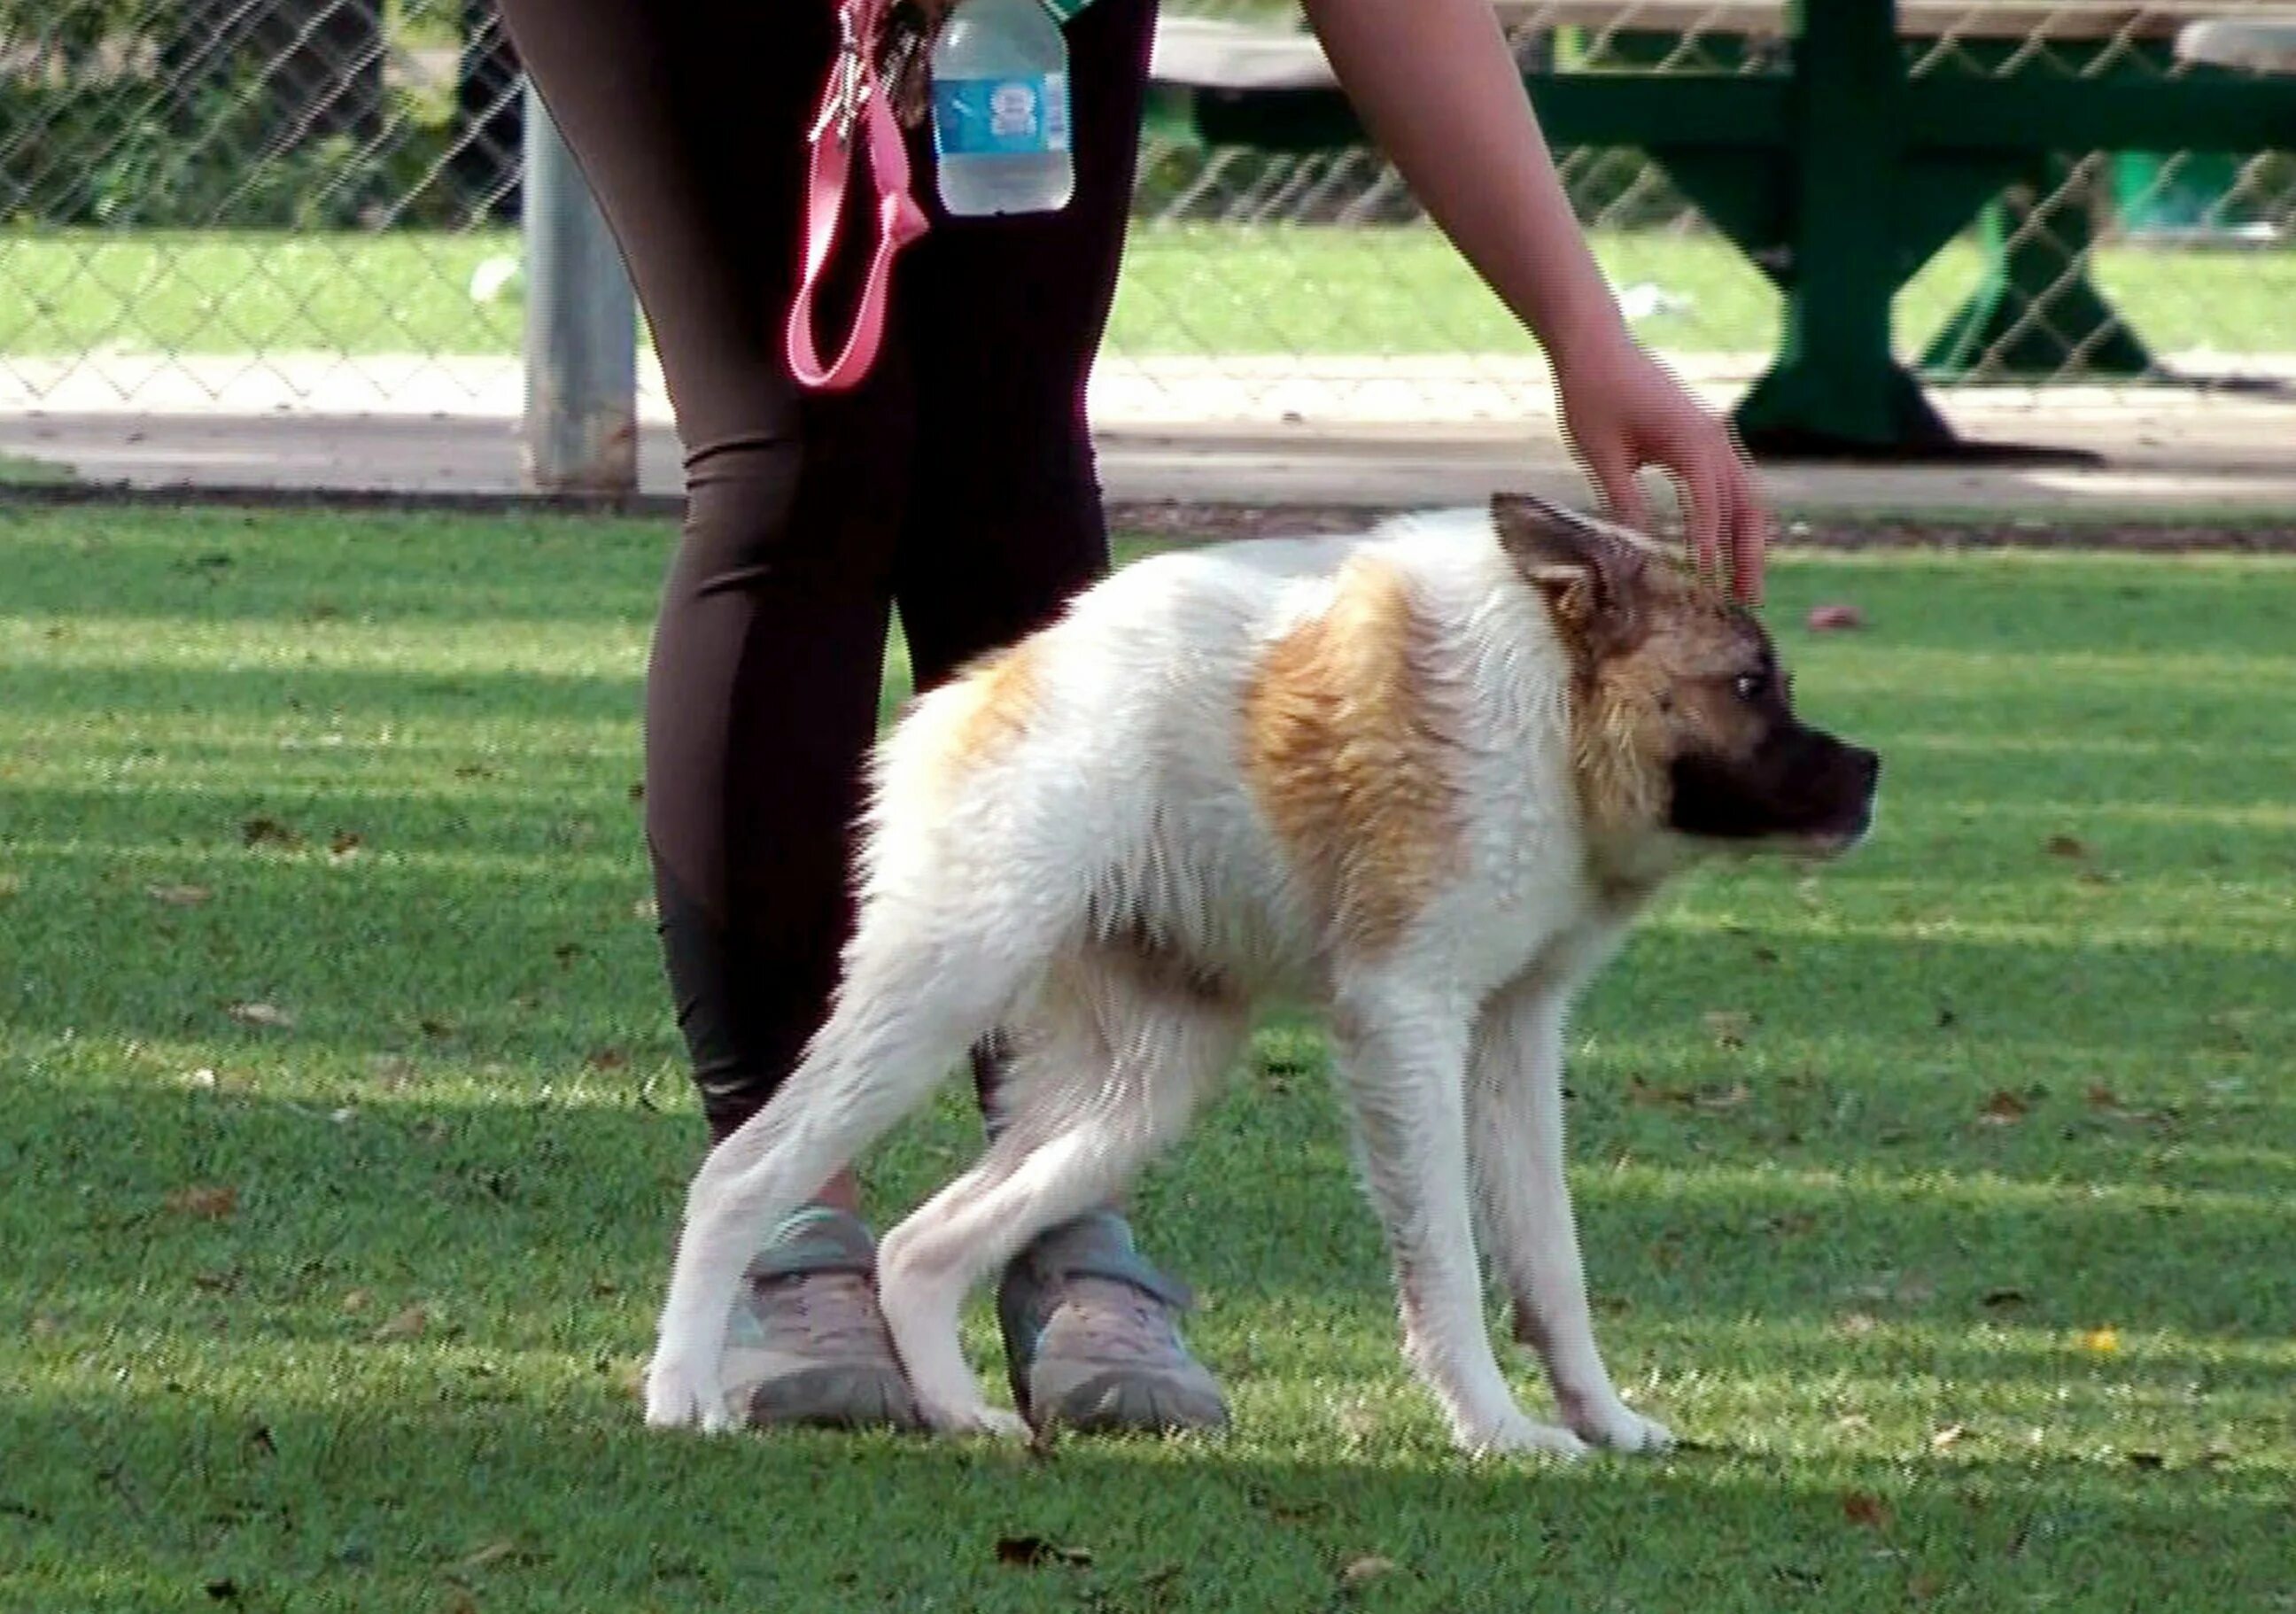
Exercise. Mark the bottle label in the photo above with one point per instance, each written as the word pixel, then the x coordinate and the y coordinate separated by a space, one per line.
pixel 1001 117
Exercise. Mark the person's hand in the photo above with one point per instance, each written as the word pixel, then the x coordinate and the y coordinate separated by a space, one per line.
pixel 1623 410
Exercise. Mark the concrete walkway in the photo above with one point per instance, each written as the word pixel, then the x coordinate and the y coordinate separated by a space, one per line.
pixel 1252 430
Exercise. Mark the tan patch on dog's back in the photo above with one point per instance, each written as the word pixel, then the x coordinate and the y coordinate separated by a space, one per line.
pixel 987 708
pixel 1341 756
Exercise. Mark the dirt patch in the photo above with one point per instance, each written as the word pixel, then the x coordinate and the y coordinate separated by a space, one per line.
pixel 1175 522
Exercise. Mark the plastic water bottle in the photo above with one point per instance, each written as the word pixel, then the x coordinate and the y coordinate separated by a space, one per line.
pixel 1000 109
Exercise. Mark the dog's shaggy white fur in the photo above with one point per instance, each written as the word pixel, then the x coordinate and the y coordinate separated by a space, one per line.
pixel 1416 777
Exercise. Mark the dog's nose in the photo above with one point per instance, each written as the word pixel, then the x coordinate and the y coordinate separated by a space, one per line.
pixel 1868 765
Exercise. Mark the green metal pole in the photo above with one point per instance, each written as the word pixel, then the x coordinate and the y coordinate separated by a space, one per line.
pixel 1835 385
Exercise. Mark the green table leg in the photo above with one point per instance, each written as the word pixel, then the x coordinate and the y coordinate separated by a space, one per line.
pixel 1835 387
pixel 2036 313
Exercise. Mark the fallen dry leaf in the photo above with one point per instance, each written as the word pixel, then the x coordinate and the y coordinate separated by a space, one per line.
pixel 1708 1098
pixel 208 1201
pixel 1034 1551
pixel 1370 1566
pixel 1835 618
pixel 180 896
pixel 2105 1101
pixel 1947 1438
pixel 407 1324
pixel 344 847
pixel 269 1016
pixel 2002 1108
pixel 357 1301
pixel 2064 846
pixel 493 1552
pixel 391 1070
pixel 607 1059
pixel 1864 1507
pixel 269 832
pixel 2101 1341
pixel 1729 1027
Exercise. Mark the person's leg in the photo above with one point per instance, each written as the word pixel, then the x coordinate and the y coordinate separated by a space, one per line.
pixel 690 121
pixel 1003 318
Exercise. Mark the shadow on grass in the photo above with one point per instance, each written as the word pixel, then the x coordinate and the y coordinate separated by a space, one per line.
pixel 435 703
pixel 225 566
pixel 433 1493
pixel 535 1212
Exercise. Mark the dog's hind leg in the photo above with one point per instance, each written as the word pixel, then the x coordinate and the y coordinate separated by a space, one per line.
pixel 1106 1072
pixel 1402 1059
pixel 910 1007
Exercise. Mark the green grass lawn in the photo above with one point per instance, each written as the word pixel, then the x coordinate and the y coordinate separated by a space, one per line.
pixel 1187 290
pixel 1940 1198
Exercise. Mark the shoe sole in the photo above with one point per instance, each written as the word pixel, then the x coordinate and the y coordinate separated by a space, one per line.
pixel 1112 1402
pixel 841 1397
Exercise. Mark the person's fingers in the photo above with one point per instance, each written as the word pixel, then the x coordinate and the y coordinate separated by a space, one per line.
pixel 1614 471
pixel 1749 534
pixel 1704 484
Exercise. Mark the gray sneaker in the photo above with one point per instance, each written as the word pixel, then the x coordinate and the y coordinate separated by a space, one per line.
pixel 1090 1339
pixel 807 1345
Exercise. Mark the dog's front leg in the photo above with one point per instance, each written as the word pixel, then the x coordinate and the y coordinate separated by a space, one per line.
pixel 1403 1059
pixel 1515 1105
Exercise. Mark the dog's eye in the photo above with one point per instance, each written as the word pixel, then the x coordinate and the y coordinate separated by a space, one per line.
pixel 1749 686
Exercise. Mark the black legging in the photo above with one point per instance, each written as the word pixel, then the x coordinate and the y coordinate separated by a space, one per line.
pixel 956 482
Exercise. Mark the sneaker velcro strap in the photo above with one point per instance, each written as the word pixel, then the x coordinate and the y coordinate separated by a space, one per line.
pixel 814 1241
pixel 1099 1245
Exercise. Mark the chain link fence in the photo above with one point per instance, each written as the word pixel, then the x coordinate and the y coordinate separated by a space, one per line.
pixel 261 204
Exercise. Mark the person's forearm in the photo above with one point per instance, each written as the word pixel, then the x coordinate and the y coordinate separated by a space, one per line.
pixel 1436 86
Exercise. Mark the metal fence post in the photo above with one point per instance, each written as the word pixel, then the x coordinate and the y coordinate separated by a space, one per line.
pixel 581 329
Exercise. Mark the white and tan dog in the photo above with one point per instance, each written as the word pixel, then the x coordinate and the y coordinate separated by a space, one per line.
pixel 1423 778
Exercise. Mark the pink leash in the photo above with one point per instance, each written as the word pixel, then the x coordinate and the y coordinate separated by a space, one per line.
pixel 854 95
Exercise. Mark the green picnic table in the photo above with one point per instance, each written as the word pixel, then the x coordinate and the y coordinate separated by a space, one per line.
pixel 1838 144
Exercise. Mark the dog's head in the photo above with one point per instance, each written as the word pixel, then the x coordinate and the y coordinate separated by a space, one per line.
pixel 1683 722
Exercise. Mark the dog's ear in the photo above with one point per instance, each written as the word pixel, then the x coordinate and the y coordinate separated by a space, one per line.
pixel 1591 571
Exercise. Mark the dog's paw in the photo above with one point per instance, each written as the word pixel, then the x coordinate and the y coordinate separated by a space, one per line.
pixel 1520 1434
pixel 1617 1427
pixel 979 1420
pixel 685 1394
